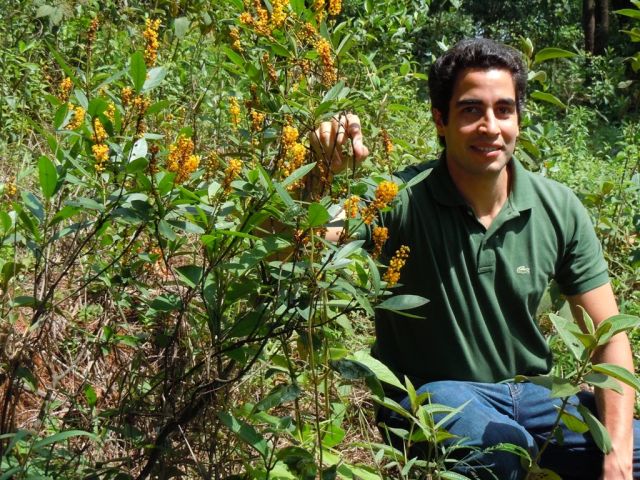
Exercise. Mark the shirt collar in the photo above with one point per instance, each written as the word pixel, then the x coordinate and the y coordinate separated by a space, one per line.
pixel 446 192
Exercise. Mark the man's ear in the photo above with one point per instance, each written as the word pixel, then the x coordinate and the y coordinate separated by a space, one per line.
pixel 437 119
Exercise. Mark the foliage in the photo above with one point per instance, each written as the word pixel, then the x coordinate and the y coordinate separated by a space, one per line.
pixel 169 305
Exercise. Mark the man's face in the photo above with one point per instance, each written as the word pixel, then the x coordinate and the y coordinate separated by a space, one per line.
pixel 482 128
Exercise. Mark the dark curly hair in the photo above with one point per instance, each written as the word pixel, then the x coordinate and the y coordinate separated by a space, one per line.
pixel 480 53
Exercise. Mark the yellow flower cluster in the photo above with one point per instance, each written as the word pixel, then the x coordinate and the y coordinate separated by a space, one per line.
pixel 351 205
pixel 289 136
pixel 386 141
pixel 380 235
pixel 335 6
pixel 246 19
pixel 261 22
pixel 294 153
pixel 297 155
pixel 110 112
pixel 392 275
pixel 329 75
pixel 141 103
pixel 78 117
pixel 64 89
pixel 150 35
pixel 234 111
pixel 234 167
pixel 271 70
pixel 257 120
pixel 181 159
pixel 308 32
pixel 99 133
pixel 10 189
pixel 126 95
pixel 93 28
pixel 211 164
pixel 101 154
pixel 318 8
pixel 234 33
pixel 279 15
pixel 385 193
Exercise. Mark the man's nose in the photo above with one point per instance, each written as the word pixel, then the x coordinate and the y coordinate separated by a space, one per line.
pixel 489 124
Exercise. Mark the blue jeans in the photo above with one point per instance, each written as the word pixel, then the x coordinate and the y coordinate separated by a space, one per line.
pixel 517 413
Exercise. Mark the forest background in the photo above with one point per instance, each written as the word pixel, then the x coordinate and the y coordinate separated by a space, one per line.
pixel 168 306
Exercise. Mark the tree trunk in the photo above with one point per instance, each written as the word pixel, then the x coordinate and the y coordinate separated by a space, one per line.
pixel 589 24
pixel 601 37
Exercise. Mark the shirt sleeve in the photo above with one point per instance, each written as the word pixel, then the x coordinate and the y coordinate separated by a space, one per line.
pixel 582 266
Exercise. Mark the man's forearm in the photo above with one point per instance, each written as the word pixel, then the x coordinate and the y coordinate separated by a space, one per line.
pixel 616 411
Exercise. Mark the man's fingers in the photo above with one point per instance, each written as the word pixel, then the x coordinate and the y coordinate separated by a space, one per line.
pixel 330 141
pixel 354 131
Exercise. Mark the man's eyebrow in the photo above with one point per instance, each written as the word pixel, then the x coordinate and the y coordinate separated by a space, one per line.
pixel 475 101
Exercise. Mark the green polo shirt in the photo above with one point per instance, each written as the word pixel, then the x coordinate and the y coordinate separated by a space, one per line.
pixel 483 285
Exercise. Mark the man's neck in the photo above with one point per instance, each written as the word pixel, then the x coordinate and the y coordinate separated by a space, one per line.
pixel 485 194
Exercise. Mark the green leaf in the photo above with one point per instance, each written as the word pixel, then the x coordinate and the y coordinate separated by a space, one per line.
pixel 90 395
pixel 245 432
pixel 180 27
pixel 403 302
pixel 61 436
pixel 602 380
pixel 381 371
pixel 153 79
pixel 317 215
pixel 598 431
pixel 298 174
pixel 628 12
pixel 278 396
pixel 139 149
pixel 137 165
pixel 614 325
pixel 549 98
pixel 552 52
pixel 28 377
pixel 337 92
pixel 137 71
pixel 61 115
pixel 24 301
pixel 60 61
pixel 452 476
pixel 562 387
pixel 415 180
pixel 350 369
pixel 166 303
pixel 87 203
pixel 48 176
pixel 567 331
pixel 190 275
pixel 233 56
pixel 573 423
pixel 300 462
pixel 619 373
pixel 348 249
pixel 588 322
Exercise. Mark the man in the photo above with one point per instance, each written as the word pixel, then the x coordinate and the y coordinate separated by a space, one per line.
pixel 486 237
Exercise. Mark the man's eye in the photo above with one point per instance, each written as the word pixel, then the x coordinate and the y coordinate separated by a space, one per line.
pixel 473 110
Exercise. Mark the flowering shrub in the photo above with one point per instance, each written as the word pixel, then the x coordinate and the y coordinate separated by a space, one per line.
pixel 162 258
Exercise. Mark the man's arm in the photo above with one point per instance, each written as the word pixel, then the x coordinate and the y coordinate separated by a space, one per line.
pixel 615 410
pixel 328 142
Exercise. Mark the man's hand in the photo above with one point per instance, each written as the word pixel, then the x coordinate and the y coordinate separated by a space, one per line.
pixel 330 139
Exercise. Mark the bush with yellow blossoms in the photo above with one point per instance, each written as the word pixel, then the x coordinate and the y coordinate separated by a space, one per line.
pixel 165 277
